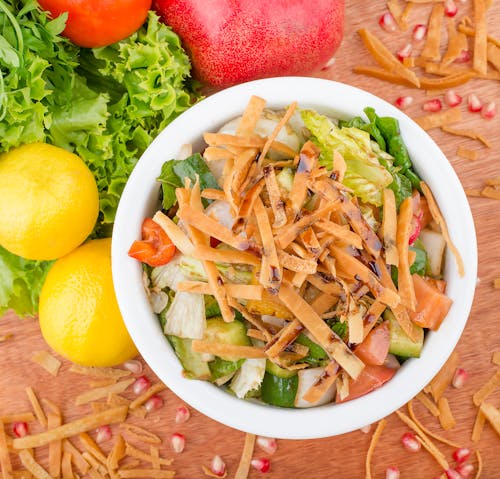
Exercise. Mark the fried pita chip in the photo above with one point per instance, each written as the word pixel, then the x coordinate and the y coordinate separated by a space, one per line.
pixel 444 377
pixel 29 463
pixel 251 116
pixel 37 409
pixel 83 424
pixel 4 454
pixel 48 362
pixel 99 372
pixel 373 444
pixel 102 392
pixel 480 57
pixel 445 416
pixel 491 385
pixel 468 154
pixel 436 120
pixel 385 58
pixel 492 415
pixel 433 38
pixel 478 427
pixel 246 457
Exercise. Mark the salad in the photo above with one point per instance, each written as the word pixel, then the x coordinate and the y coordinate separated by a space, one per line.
pixel 298 258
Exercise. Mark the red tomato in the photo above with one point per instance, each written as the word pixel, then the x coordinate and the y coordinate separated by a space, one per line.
pixel 97 23
pixel 375 347
pixel 432 304
pixel 372 377
pixel 156 248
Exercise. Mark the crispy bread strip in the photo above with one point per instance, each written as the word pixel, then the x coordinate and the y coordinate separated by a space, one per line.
pixel 246 456
pixel 438 218
pixel 227 350
pixel 273 190
pixel 176 235
pixel 283 338
pixel 389 227
pixel 405 282
pixel 433 39
pixel 270 273
pixel 480 59
pixel 240 291
pixel 383 56
pixel 323 383
pixel 308 159
pixel 251 116
pixel 373 443
pixel 436 120
pixel 330 342
pixel 272 137
pixel 86 423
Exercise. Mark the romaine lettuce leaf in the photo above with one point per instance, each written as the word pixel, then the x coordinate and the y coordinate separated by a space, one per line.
pixel 364 175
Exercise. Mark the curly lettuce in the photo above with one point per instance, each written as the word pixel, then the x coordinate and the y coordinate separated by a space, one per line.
pixel 105 104
pixel 364 175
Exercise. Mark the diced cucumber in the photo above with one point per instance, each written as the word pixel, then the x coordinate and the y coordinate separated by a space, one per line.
pixel 279 391
pixel 211 306
pixel 315 350
pixel 192 362
pixel 218 331
pixel 221 368
pixel 277 371
pixel 399 342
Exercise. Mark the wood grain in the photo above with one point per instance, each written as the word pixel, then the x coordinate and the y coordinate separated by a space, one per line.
pixel 341 456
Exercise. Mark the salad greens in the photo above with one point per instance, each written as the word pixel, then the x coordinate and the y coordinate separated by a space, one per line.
pixel 296 312
pixel 105 104
pixel 174 172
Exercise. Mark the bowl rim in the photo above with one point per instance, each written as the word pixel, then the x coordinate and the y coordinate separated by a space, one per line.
pixel 332 419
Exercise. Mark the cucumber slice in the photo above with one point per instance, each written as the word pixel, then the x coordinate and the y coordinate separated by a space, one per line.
pixel 277 371
pixel 399 342
pixel 279 391
pixel 218 331
pixel 192 362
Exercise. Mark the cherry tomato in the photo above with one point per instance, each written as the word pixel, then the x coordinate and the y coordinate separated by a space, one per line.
pixel 97 23
pixel 374 349
pixel 156 248
pixel 372 377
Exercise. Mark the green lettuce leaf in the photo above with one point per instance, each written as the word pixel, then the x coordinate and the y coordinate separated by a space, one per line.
pixel 364 175
pixel 20 283
pixel 104 104
pixel 174 172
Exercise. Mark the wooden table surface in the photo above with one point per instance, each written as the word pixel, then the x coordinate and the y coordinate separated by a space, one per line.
pixel 341 456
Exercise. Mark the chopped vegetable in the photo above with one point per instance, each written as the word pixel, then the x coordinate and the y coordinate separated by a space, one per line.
pixel 155 248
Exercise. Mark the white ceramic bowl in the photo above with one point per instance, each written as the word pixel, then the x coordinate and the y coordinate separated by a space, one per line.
pixel 140 198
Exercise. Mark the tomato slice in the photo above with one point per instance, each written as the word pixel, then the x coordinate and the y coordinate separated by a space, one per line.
pixel 374 349
pixel 372 377
pixel 155 248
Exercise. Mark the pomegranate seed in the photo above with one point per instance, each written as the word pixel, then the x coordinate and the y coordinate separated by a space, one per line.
pixel 465 470
pixel 419 32
pixel 459 379
pixel 20 429
pixel 404 52
pixel 182 415
pixel 403 102
pixel 450 8
pixel 178 441
pixel 453 474
pixel 489 111
pixel 141 384
pixel 103 433
pixel 262 465
pixel 392 472
pixel 451 98
pixel 218 466
pixel 328 64
pixel 153 403
pixel 463 57
pixel 387 22
pixel 268 444
pixel 416 227
pixel 473 103
pixel 410 442
pixel 134 366
pixel 461 454
pixel 433 105
pixel 366 429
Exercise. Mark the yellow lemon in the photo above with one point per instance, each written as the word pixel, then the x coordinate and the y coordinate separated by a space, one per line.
pixel 48 201
pixel 78 312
